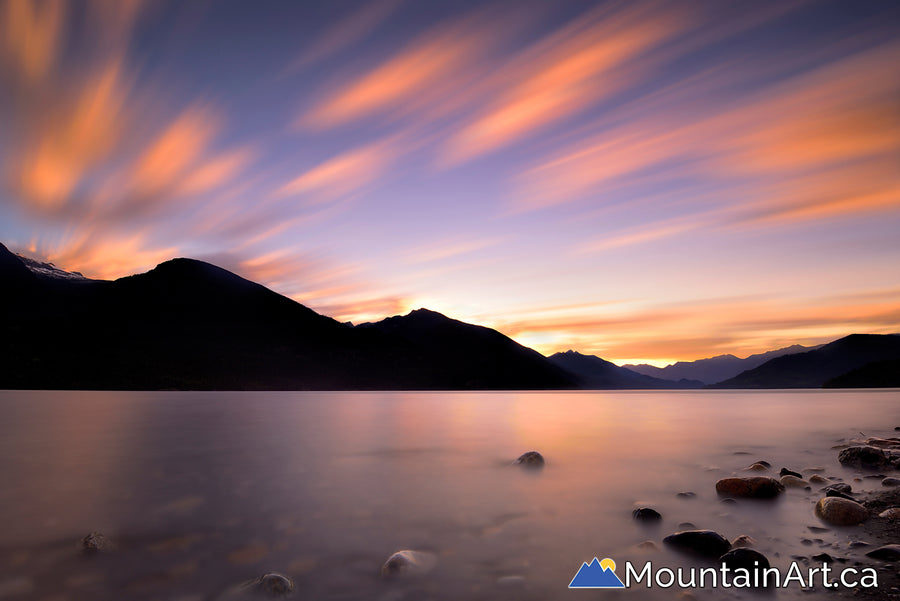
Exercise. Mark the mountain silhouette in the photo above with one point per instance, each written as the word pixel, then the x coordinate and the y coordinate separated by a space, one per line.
pixel 714 369
pixel 187 324
pixel 594 576
pixel 813 369
pixel 596 373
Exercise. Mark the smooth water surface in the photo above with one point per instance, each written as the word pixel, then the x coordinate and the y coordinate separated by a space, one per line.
pixel 201 492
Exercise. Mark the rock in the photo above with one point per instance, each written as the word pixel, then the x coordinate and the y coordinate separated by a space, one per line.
pixel 823 558
pixel 511 581
pixel 759 466
pixel 744 540
pixel 727 501
pixel 531 459
pixel 786 472
pixel 890 514
pixel 891 482
pixel 817 479
pixel 647 545
pixel 274 584
pixel 839 487
pixel 834 493
pixel 865 457
pixel 704 543
pixel 887 553
pixel 646 514
pixel 686 495
pixel 747 559
pixel 687 526
pixel 791 481
pixel 408 562
pixel 758 487
pixel 841 512
pixel 884 443
pixel 95 542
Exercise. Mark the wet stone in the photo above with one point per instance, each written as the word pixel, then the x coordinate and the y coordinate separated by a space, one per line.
pixel 274 584
pixel 838 487
pixel 408 562
pixel 790 481
pixel 703 543
pixel 840 512
pixel 864 457
pixel 95 542
pixel 817 479
pixel 646 514
pixel 891 482
pixel 759 466
pixel 759 487
pixel 531 459
pixel 892 513
pixel 839 495
pixel 885 553
pixel 786 472
pixel 686 495
pixel 744 540
pixel 746 559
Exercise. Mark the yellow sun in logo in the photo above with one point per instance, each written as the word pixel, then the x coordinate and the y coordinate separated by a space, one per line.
pixel 608 563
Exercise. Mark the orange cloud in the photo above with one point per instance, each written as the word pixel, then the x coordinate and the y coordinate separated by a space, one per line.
pixel 341 175
pixel 576 67
pixel 175 149
pixel 33 33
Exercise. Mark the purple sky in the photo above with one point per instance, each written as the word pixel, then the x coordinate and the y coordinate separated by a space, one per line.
pixel 638 180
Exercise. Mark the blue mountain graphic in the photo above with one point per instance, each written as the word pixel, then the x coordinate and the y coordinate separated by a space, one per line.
pixel 594 576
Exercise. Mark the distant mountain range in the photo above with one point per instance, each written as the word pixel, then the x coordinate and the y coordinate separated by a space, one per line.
pixel 714 369
pixel 187 324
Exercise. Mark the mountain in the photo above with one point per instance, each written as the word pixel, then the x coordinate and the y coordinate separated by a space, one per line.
pixel 187 324
pixel 470 356
pixel 813 369
pixel 596 373
pixel 878 374
pixel 714 369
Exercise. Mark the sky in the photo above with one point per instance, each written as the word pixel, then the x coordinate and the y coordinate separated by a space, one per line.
pixel 643 181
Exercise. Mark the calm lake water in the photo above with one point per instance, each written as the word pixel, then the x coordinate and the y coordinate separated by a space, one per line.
pixel 201 492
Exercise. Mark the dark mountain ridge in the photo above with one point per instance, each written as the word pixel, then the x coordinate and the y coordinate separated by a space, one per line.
pixel 187 324
pixel 596 373
pixel 714 369
pixel 813 369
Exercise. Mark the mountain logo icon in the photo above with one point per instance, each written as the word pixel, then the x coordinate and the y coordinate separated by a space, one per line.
pixel 597 574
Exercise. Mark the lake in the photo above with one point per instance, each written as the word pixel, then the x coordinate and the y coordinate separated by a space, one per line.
pixel 202 491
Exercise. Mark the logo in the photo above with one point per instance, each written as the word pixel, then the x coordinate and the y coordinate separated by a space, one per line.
pixel 597 574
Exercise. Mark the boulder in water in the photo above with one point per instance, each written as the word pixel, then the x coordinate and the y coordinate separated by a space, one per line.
pixel 758 487
pixel 703 543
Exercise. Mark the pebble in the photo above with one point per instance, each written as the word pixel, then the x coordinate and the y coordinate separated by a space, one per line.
pixel 94 542
pixel 786 472
pixel 686 495
pixel 705 543
pixel 646 514
pixel 530 459
pixel 274 584
pixel 793 481
pixel 891 482
pixel 817 479
pixel 892 513
pixel 759 466
pixel 887 553
pixel 409 562
pixel 759 487
pixel 841 512
pixel 744 540
pixel 747 559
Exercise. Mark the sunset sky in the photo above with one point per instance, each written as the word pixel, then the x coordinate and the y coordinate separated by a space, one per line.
pixel 642 181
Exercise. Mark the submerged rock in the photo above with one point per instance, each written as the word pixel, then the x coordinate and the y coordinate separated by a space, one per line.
pixel 409 562
pixel 840 495
pixel 530 459
pixel 786 472
pixel 759 466
pixel 275 584
pixel 887 553
pixel 817 479
pixel 744 540
pixel 747 559
pixel 790 481
pixel 839 487
pixel 891 482
pixel 865 457
pixel 646 514
pixel 890 514
pixel 841 512
pixel 758 487
pixel 95 542
pixel 704 543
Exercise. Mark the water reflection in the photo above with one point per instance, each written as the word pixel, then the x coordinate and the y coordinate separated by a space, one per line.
pixel 204 491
